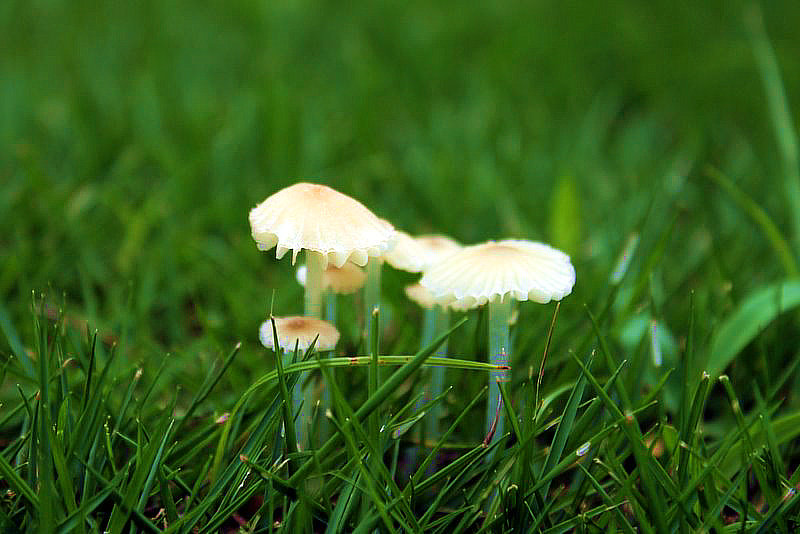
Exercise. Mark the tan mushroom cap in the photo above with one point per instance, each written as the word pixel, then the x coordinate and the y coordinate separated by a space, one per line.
pixel 524 270
pixel 300 330
pixel 416 254
pixel 342 280
pixel 317 218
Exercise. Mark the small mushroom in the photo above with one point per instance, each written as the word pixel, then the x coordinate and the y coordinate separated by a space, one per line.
pixel 343 280
pixel 300 332
pixel 497 272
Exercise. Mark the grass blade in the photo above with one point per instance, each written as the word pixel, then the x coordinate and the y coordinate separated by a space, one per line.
pixel 564 428
pixel 749 318
pixel 374 401
pixel 760 217
pixel 780 115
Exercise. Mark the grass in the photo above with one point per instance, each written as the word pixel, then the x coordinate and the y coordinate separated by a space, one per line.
pixel 659 151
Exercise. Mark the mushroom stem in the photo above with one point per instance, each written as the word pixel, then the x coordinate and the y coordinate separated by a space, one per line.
pixel 299 402
pixel 425 432
pixel 499 354
pixel 372 296
pixel 302 397
pixel 330 306
pixel 325 395
pixel 313 295
pixel 441 322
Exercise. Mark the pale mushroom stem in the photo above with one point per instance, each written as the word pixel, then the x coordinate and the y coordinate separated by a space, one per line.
pixel 325 393
pixel 330 306
pixel 372 296
pixel 298 403
pixel 302 401
pixel 441 322
pixel 434 321
pixel 313 295
pixel 499 354
pixel 302 397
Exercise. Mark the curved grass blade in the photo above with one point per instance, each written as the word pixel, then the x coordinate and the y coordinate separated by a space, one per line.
pixel 779 111
pixel 12 478
pixel 751 316
pixel 779 245
pixel 643 457
pixel 564 428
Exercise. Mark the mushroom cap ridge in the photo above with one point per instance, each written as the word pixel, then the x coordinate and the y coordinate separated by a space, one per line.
pixel 525 270
pixel 317 218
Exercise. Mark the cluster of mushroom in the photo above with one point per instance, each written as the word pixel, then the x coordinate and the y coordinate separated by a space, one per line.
pixel 338 233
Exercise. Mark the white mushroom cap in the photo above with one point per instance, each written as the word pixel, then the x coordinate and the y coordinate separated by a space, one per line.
pixel 415 254
pixel 342 280
pixel 437 247
pixel 320 219
pixel 522 269
pixel 300 330
pixel 407 254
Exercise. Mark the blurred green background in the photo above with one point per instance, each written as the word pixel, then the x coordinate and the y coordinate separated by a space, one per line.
pixel 136 136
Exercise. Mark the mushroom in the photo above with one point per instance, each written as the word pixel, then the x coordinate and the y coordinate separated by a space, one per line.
pixel 496 273
pixel 330 226
pixel 301 332
pixel 343 280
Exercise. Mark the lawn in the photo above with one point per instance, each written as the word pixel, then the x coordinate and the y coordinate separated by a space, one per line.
pixel 655 143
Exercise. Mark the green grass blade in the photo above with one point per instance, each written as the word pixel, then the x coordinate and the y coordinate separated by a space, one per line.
pixel 760 217
pixel 689 431
pixel 608 500
pixel 372 403
pixel 148 461
pixel 416 478
pixel 641 453
pixel 380 474
pixel 749 318
pixel 76 519
pixel 45 469
pixel 372 487
pixel 17 347
pixel 288 416
pixel 373 378
pixel 779 112
pixel 611 364
pixel 16 483
pixel 564 428
pixel 712 516
pixel 211 380
pixel 64 475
